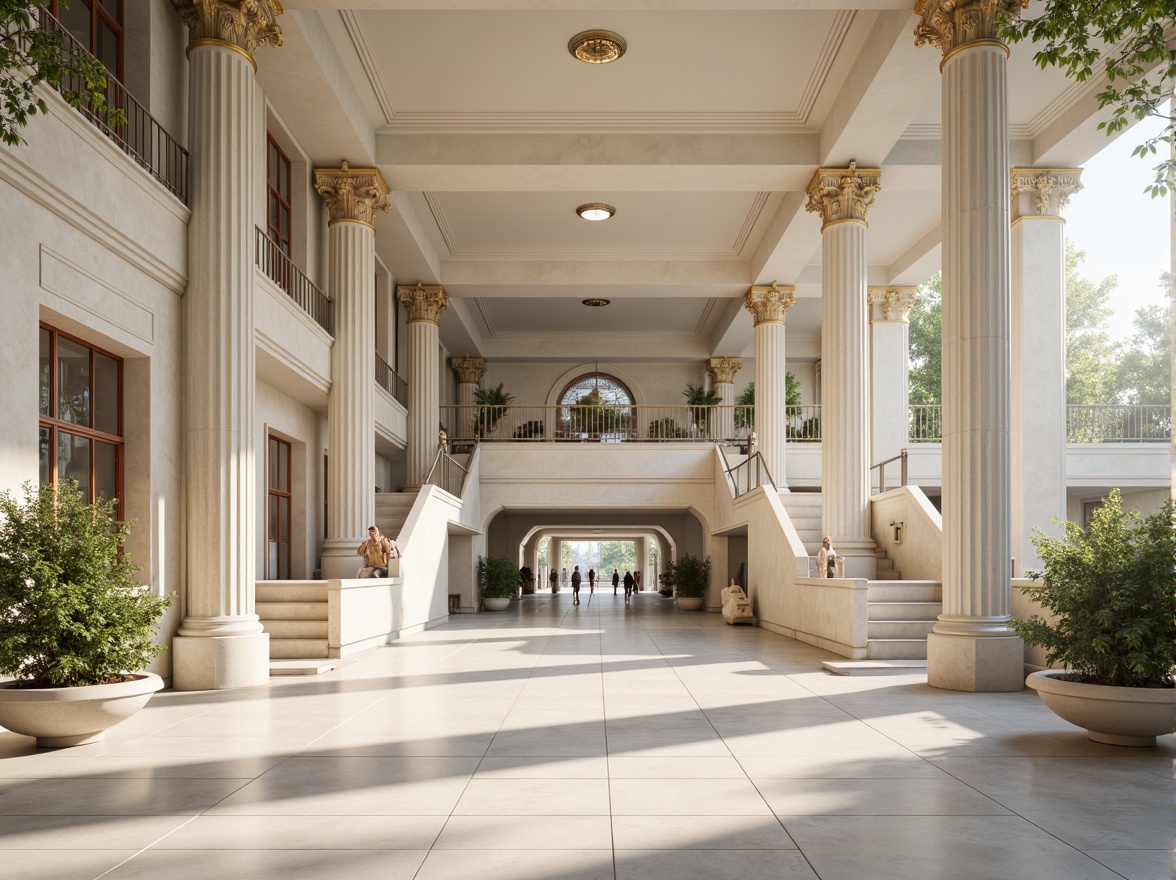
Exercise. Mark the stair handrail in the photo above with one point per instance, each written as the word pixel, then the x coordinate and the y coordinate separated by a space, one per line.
pixel 760 471
pixel 452 476
pixel 881 467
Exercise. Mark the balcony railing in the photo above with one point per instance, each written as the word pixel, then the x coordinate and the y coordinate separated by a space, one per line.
pixel 388 379
pixel 140 136
pixel 1118 424
pixel 926 423
pixel 620 423
pixel 282 272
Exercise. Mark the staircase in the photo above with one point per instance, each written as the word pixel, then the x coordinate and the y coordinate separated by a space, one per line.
pixel 294 613
pixel 804 509
pixel 392 509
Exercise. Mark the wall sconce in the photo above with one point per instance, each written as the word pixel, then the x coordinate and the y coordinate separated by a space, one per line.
pixel 897 526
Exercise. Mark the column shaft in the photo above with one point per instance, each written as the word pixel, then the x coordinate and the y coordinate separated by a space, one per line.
pixel 771 416
pixel 424 402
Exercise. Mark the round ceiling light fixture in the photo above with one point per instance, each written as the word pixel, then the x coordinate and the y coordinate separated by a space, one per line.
pixel 596 211
pixel 597 47
pixel 596 303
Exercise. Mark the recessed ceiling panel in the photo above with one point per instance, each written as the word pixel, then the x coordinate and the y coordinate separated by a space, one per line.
pixel 621 317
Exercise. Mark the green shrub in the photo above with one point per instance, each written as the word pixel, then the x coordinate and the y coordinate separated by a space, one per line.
pixel 688 576
pixel 1112 590
pixel 72 611
pixel 492 406
pixel 665 429
pixel 527 430
pixel 497 577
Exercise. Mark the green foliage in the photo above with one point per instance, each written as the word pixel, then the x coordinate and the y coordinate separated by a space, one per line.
pixel 497 577
pixel 744 418
pixel 665 429
pixel 72 611
pixel 1128 35
pixel 1144 374
pixel 527 430
pixel 688 576
pixel 926 344
pixel 701 400
pixel 1091 355
pixel 492 405
pixel 30 55
pixel 526 576
pixel 621 555
pixel 1112 590
pixel 591 415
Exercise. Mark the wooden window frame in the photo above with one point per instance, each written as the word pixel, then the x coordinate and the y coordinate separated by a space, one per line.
pixel 283 242
pixel 271 492
pixel 57 425
pixel 114 22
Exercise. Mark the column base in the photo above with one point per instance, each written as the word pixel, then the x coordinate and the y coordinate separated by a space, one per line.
pixel 977 664
pixel 206 663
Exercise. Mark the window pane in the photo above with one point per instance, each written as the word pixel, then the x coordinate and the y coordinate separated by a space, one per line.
pixel 271 170
pixel 111 6
pixel 107 47
pixel 273 212
pixel 272 458
pixel 46 471
pixel 46 363
pixel 283 467
pixel 284 180
pixel 73 382
pixel 273 517
pixel 284 225
pixel 272 569
pixel 73 461
pixel 106 394
pixel 283 519
pixel 76 19
pixel 283 562
pixel 105 470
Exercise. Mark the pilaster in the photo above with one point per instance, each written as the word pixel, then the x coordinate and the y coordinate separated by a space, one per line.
pixel 425 305
pixel 889 310
pixel 721 372
pixel 769 305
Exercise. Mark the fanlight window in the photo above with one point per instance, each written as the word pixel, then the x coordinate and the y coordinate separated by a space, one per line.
pixel 596 405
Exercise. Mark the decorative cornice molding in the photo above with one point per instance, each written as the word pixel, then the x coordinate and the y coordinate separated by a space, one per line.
pixel 352 193
pixel 843 193
pixel 770 304
pixel 1043 192
pixel 952 24
pixel 470 370
pixel 722 370
pixel 891 304
pixel 425 302
pixel 245 24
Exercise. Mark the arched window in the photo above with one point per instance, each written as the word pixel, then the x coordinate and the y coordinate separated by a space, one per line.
pixel 596 406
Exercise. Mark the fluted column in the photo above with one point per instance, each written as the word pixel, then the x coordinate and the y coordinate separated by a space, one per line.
pixel 890 309
pixel 352 196
pixel 424 304
pixel 220 643
pixel 470 371
pixel 842 197
pixel 971 648
pixel 1039 354
pixel 769 305
pixel 721 371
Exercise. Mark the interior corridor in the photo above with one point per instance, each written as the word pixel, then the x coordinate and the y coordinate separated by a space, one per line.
pixel 589 743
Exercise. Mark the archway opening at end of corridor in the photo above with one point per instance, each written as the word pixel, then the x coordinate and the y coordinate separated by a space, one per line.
pixel 603 557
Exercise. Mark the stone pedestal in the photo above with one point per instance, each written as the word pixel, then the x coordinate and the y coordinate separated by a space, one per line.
pixel 842 197
pixel 1039 355
pixel 976 350
pixel 424 304
pixel 890 309
pixel 352 195
pixel 220 642
pixel 770 305
pixel 721 371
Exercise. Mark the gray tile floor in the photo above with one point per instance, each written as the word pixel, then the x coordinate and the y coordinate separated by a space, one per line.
pixel 584 743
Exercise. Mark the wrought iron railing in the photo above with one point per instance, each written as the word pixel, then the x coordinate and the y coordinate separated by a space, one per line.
pixel 388 379
pixel 880 467
pixel 925 424
pixel 137 134
pixel 281 271
pixel 1118 424
pixel 748 475
pixel 446 473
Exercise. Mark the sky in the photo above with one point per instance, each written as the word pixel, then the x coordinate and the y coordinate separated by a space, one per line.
pixel 1124 231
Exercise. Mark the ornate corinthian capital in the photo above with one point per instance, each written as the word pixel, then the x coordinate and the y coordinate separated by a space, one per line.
pixel 245 24
pixel 891 303
pixel 469 370
pixel 1043 192
pixel 843 193
pixel 950 24
pixel 770 303
pixel 352 193
pixel 722 370
pixel 425 302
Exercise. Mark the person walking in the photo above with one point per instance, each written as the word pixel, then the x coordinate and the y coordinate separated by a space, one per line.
pixel 591 583
pixel 637 581
pixel 576 586
pixel 616 581
pixel 628 586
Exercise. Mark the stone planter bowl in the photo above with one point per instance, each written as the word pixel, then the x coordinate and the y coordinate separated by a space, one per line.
pixel 1118 716
pixel 495 604
pixel 690 603
pixel 63 717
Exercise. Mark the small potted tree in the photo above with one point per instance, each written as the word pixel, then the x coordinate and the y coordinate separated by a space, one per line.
pixel 1111 594
pixel 76 624
pixel 527 579
pixel 497 579
pixel 701 402
pixel 492 406
pixel 689 578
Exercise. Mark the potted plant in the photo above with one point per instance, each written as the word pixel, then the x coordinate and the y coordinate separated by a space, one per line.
pixel 665 429
pixel 492 406
pixel 76 624
pixel 1111 594
pixel 689 578
pixel 527 579
pixel 497 579
pixel 529 430
pixel 701 400
pixel 592 416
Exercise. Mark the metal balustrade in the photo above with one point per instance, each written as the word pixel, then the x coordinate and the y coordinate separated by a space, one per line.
pixel 748 475
pixel 925 424
pixel 140 136
pixel 281 271
pixel 388 379
pixel 446 473
pixel 1118 424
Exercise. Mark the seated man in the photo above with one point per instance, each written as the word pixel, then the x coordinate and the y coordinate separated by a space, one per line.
pixel 376 551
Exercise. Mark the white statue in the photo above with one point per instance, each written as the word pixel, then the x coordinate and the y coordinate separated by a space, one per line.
pixel 736 605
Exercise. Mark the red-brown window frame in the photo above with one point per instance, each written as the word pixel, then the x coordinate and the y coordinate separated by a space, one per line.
pixel 55 424
pixel 274 194
pixel 271 492
pixel 114 22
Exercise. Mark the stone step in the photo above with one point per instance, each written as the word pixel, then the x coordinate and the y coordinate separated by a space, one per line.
pixel 904 610
pixel 297 649
pixel 887 574
pixel 899 629
pixel 291 591
pixel 292 610
pixel 800 499
pixel 295 629
pixel 904 591
pixel 896 649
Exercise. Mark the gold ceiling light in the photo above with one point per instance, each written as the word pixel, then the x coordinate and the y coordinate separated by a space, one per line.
pixel 595 211
pixel 597 47
pixel 596 303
